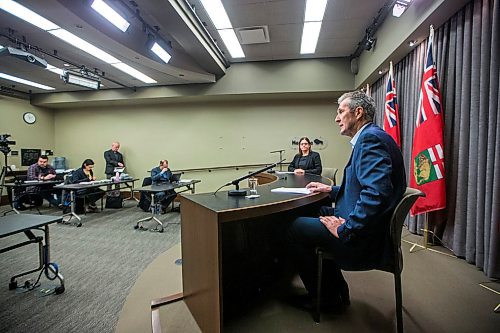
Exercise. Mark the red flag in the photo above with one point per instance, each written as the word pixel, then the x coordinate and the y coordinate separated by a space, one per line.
pixel 427 158
pixel 391 112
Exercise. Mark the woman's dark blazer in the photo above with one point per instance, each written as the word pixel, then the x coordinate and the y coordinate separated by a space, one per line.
pixel 313 163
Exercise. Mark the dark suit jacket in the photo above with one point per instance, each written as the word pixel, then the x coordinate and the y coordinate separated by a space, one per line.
pixel 112 160
pixel 373 184
pixel 313 163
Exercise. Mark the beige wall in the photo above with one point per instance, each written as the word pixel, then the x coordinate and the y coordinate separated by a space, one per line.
pixel 39 135
pixel 195 135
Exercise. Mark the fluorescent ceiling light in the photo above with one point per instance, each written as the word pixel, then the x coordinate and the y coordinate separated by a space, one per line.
pixel 110 14
pixel 232 43
pixel 26 14
pixel 315 10
pixel 54 69
pixel 31 17
pixel 23 81
pixel 217 14
pixel 133 72
pixel 79 80
pixel 83 45
pixel 310 36
pixel 160 52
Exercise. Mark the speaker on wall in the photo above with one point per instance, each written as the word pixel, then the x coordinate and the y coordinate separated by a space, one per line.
pixel 354 66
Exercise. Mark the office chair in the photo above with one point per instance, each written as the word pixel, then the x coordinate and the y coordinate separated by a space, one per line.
pixel 330 173
pixel 396 227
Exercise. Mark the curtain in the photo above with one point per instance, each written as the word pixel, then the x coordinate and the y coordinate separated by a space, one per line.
pixel 466 52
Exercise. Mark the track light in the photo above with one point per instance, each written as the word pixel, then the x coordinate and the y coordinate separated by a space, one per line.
pixel 81 80
pixel 370 42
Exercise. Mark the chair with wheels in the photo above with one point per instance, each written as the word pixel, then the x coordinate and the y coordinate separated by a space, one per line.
pixel 396 227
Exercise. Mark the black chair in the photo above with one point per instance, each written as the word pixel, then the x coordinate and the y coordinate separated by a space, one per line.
pixel 396 227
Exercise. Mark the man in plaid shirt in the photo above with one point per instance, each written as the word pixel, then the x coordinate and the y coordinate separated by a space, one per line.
pixel 41 171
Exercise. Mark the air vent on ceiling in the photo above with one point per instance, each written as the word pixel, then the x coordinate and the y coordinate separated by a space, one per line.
pixel 253 35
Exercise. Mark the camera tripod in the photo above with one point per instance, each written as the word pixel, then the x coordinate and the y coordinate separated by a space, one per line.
pixel 3 174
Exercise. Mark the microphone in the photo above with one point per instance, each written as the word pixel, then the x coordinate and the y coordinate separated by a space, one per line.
pixel 237 191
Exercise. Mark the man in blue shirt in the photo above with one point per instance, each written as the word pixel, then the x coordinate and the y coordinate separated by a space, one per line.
pixel 356 231
pixel 162 174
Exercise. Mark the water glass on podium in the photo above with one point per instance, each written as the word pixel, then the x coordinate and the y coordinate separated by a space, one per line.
pixel 252 185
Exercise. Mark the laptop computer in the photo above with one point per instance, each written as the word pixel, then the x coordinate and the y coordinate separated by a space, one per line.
pixel 175 177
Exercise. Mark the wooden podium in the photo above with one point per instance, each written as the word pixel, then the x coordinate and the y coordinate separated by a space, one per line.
pixel 203 217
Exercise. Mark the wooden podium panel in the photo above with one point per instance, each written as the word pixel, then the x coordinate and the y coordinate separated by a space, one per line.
pixel 202 220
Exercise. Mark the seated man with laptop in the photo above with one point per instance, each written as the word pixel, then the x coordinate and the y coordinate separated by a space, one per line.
pixel 162 174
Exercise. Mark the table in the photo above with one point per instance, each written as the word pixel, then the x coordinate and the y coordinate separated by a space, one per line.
pixel 156 188
pixel 72 188
pixel 13 186
pixel 13 224
pixel 205 221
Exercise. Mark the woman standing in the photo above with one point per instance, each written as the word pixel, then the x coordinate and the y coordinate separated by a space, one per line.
pixel 306 161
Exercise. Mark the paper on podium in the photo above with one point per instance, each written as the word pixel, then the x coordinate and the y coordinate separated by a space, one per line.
pixel 119 169
pixel 299 190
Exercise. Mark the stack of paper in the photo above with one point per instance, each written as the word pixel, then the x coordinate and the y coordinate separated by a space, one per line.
pixel 299 190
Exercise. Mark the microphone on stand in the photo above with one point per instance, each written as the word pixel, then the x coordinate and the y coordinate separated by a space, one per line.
pixel 237 191
pixel 281 156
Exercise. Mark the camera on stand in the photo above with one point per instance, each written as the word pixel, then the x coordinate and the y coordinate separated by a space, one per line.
pixel 4 143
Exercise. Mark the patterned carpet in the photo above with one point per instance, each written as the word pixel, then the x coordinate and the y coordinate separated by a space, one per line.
pixel 100 262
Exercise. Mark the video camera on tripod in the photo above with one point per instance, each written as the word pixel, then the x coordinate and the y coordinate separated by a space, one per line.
pixel 4 144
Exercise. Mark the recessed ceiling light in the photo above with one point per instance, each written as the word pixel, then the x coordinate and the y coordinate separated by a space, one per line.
pixel 381 71
pixel 66 65
pixel 133 72
pixel 315 10
pixel 412 42
pixel 110 14
pixel 229 38
pixel 161 53
pixel 27 14
pixel 217 14
pixel 24 81
pixel 310 36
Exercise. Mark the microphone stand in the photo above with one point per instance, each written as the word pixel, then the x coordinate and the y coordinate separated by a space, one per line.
pixel 236 182
pixel 281 156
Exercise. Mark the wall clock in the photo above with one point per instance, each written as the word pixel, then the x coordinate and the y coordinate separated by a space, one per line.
pixel 29 118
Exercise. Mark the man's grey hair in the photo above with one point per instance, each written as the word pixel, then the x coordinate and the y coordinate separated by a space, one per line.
pixel 359 98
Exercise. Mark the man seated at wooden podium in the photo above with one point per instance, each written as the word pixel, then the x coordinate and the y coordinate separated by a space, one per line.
pixel 160 175
pixel 356 230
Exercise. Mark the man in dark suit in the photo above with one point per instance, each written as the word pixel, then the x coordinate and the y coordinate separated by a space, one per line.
pixel 357 229
pixel 113 159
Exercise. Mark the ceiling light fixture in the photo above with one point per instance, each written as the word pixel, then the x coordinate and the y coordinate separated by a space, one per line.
pixel 28 15
pixel 399 7
pixel 80 80
pixel 110 14
pixel 313 17
pixel 31 17
pixel 310 36
pixel 412 43
pixel 217 14
pixel 133 72
pixel 24 81
pixel 54 69
pixel 315 10
pixel 231 41
pixel 160 52
pixel 219 18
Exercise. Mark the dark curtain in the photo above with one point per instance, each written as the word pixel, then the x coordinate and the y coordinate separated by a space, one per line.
pixel 466 53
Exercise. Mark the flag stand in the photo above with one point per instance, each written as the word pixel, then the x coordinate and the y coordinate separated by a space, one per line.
pixel 426 231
